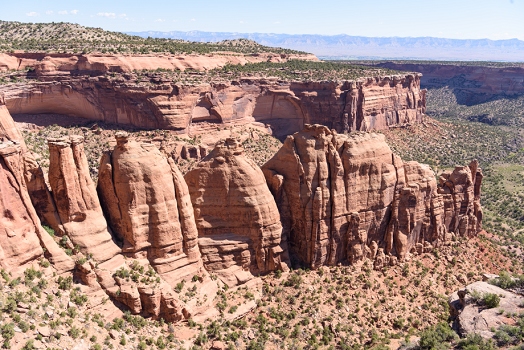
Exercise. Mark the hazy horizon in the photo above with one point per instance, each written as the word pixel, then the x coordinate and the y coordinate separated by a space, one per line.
pixel 466 19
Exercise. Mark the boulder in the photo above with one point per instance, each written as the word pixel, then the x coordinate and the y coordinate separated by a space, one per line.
pixel 238 222
pixel 469 316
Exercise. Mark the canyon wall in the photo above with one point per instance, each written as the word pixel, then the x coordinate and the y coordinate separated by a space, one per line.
pixel 471 84
pixel 148 206
pixel 76 200
pixel 103 63
pixel 323 199
pixel 348 198
pixel 365 104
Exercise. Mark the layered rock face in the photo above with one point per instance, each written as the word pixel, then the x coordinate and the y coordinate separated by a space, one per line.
pixel 22 238
pixel 238 222
pixel 8 130
pixel 19 243
pixel 45 63
pixel 76 200
pixel 471 84
pixel 33 175
pixel 150 296
pixel 350 198
pixel 365 104
pixel 148 206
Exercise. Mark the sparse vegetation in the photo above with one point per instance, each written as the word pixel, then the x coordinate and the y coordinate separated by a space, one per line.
pixel 74 38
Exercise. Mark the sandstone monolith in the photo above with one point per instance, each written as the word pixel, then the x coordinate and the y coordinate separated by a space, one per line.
pixel 349 198
pixel 237 218
pixel 22 237
pixel 76 199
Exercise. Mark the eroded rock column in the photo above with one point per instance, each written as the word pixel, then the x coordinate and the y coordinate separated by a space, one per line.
pixel 148 206
pixel 76 199
pixel 349 198
pixel 239 229
pixel 21 236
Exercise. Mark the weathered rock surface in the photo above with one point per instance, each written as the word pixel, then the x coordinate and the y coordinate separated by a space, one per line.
pixel 76 199
pixel 147 203
pixel 45 63
pixel 22 237
pixel 239 229
pixel 364 104
pixel 470 317
pixel 21 176
pixel 146 294
pixel 350 198
pixel 8 129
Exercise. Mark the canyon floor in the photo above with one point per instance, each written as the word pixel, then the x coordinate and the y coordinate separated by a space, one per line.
pixel 342 307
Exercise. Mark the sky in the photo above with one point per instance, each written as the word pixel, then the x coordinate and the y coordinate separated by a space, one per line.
pixel 457 19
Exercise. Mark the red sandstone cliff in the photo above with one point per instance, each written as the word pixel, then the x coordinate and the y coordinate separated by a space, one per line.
pixel 239 229
pixel 76 199
pixel 148 206
pixel 365 104
pixel 23 240
pixel 472 84
pixel 350 198
pixel 64 63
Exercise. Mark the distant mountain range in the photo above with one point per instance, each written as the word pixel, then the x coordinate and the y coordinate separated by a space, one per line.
pixel 359 47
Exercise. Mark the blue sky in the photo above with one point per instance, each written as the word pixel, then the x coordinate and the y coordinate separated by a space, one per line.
pixel 461 19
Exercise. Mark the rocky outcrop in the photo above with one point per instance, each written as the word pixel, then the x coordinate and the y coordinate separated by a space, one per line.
pixel 23 240
pixel 364 104
pixel 22 186
pixel 148 207
pixel 8 130
pixel 349 198
pixel 136 285
pixel 77 203
pixel 239 229
pixel 471 317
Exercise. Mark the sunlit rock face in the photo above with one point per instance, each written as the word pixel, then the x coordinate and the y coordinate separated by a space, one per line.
pixel 349 198
pixel 148 207
pixel 239 229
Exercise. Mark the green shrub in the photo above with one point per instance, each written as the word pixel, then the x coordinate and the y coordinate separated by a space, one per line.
pixel 491 300
pixel 475 342
pixel 65 283
pixel 506 281
pixel 74 332
pixel 29 345
pixel 49 230
pixel 294 280
pixel 437 337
